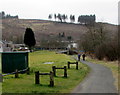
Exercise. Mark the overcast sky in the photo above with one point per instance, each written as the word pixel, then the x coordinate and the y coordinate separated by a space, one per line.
pixel 105 10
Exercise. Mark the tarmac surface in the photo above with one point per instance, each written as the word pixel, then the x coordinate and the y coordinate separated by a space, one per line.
pixel 99 80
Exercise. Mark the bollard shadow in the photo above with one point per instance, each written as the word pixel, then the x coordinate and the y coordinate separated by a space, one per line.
pixel 73 68
pixel 44 85
pixel 61 77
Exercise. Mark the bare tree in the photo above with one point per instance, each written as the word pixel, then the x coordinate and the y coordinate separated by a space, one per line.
pixel 59 17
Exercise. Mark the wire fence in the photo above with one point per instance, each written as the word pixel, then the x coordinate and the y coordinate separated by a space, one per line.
pixel 20 71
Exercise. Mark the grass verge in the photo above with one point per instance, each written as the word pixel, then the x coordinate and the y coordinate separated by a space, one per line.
pixel 26 83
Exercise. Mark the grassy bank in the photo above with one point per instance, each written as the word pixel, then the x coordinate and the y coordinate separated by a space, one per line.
pixel 112 65
pixel 25 83
pixel 0 73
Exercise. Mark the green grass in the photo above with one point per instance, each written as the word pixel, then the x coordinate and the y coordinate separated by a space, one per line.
pixel 0 63
pixel 113 65
pixel 0 73
pixel 26 84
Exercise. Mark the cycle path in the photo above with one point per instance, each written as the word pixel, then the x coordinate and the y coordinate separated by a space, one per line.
pixel 99 80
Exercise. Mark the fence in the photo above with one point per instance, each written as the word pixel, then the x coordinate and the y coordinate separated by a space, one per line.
pixel 37 77
pixel 73 63
pixel 1 80
pixel 17 72
pixel 54 70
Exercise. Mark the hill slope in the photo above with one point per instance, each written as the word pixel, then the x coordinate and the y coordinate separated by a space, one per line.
pixel 13 29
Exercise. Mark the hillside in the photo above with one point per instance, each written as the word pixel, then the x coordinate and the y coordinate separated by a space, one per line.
pixel 13 29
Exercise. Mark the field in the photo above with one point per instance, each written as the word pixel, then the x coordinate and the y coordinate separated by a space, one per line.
pixel 26 83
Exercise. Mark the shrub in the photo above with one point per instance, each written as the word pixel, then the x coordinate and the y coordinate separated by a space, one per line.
pixel 107 50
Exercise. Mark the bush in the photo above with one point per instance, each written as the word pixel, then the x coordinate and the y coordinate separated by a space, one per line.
pixel 100 52
pixel 108 51
pixel 111 52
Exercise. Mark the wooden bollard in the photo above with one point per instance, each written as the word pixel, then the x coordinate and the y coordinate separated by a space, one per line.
pixel 65 71
pixel 16 73
pixel 37 77
pixel 51 79
pixel 28 71
pixel 77 65
pixel 68 65
pixel 1 78
pixel 54 70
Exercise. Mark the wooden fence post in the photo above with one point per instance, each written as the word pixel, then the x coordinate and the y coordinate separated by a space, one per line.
pixel 54 70
pixel 16 73
pixel 65 71
pixel 1 78
pixel 77 65
pixel 28 71
pixel 68 65
pixel 37 77
pixel 51 79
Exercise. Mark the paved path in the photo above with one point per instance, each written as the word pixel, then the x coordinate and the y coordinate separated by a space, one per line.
pixel 100 80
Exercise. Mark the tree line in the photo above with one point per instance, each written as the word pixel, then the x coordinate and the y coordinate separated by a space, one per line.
pixel 98 42
pixel 95 41
pixel 82 19
pixel 87 19
pixel 60 41
pixel 3 15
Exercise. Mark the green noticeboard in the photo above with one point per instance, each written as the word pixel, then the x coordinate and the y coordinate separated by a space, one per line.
pixel 14 60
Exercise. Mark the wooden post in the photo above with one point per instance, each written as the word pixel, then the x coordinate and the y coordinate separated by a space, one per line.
pixel 16 73
pixel 54 70
pixel 68 65
pixel 37 77
pixel 65 71
pixel 51 79
pixel 28 71
pixel 1 78
pixel 77 65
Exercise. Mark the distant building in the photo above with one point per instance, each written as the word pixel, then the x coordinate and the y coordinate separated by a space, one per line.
pixel 73 45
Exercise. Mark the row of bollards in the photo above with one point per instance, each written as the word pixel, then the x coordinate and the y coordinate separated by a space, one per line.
pixel 53 73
